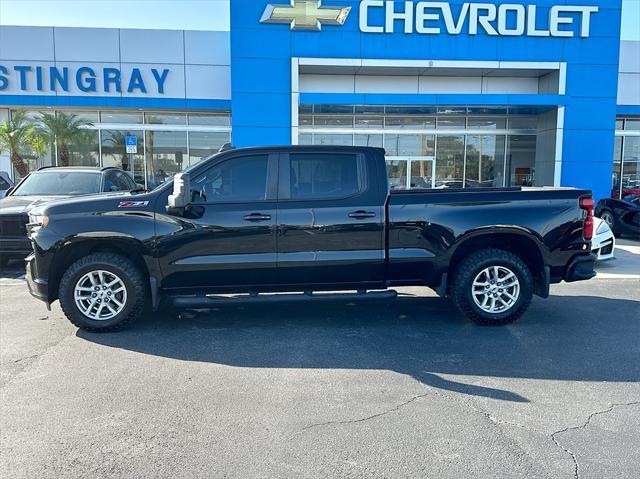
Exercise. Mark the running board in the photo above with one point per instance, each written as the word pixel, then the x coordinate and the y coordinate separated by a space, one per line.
pixel 195 302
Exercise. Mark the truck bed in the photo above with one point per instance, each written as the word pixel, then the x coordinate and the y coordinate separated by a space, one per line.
pixel 424 226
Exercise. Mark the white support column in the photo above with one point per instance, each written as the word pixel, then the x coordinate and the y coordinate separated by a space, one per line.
pixel 5 159
pixel 295 100
pixel 562 89
pixel 562 79
pixel 557 172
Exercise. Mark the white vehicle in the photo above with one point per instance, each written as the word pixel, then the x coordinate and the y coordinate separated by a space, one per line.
pixel 603 243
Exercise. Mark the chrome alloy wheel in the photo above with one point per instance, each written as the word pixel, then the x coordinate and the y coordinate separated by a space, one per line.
pixel 496 289
pixel 100 295
pixel 607 218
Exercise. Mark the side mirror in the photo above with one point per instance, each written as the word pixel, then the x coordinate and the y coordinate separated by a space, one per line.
pixel 181 196
pixel 9 190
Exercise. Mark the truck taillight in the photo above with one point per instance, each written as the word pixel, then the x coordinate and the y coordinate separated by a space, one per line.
pixel 587 204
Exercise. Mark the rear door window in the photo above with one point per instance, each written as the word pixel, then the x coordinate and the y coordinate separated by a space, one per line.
pixel 319 175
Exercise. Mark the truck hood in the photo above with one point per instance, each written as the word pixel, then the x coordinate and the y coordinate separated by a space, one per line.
pixel 15 205
pixel 117 201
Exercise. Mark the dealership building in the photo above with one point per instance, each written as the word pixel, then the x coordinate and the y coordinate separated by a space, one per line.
pixel 460 94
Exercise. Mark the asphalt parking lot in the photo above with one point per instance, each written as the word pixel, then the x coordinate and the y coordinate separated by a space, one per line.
pixel 400 388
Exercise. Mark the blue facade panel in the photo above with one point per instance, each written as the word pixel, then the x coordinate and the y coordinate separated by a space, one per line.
pixel 260 59
pixel 591 73
pixel 581 82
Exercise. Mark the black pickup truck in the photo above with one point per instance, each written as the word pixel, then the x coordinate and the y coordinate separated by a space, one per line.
pixel 304 220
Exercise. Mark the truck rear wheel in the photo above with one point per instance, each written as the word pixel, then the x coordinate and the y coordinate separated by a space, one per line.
pixel 492 287
pixel 102 292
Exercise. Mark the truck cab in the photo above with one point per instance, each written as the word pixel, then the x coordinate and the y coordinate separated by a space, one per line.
pixel 278 219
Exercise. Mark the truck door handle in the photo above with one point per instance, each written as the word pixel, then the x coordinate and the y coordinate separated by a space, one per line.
pixel 360 215
pixel 257 217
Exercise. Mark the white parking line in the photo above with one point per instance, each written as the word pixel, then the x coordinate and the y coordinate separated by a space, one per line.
pixel 626 264
pixel 13 281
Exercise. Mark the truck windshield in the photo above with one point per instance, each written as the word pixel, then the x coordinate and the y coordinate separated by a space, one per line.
pixel 59 183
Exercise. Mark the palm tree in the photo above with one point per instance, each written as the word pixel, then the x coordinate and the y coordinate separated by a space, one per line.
pixel 63 129
pixel 87 148
pixel 38 144
pixel 18 136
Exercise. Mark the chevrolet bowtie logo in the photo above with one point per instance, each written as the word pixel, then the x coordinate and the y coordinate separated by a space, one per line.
pixel 302 15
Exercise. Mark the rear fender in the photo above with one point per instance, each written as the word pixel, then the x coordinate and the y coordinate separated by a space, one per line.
pixel 524 243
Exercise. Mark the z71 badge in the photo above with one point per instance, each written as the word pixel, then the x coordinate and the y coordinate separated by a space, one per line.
pixel 132 204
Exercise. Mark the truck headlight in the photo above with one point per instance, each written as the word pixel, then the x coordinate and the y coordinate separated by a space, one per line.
pixel 38 220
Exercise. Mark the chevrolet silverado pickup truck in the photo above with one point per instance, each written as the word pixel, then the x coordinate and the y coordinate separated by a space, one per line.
pixel 304 223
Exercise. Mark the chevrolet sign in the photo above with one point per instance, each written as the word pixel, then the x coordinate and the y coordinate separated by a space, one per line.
pixel 303 15
pixel 507 19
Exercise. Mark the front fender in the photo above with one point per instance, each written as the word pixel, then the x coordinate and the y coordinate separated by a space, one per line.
pixel 68 238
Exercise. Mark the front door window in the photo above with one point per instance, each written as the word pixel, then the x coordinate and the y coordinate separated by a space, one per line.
pixel 242 179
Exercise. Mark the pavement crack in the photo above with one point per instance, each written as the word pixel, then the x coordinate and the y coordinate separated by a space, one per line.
pixel 497 420
pixel 554 436
pixel 29 360
pixel 367 418
pixel 576 467
pixel 19 360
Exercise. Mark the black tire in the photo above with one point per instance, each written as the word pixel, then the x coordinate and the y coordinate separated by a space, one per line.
pixel 466 273
pixel 612 225
pixel 127 271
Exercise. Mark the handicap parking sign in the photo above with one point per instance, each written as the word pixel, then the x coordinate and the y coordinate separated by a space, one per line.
pixel 131 143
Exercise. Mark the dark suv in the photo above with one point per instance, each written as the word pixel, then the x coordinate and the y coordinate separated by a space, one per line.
pixel 43 186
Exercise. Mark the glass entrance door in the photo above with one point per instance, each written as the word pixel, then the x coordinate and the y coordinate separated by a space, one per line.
pixel 421 173
pixel 397 172
pixel 410 173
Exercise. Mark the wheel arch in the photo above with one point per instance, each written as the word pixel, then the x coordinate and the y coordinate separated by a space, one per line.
pixel 72 251
pixel 523 243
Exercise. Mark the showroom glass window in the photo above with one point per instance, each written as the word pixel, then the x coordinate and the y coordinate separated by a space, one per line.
pixel 167 141
pixel 204 143
pixel 166 154
pixel 433 147
pixel 114 152
pixel 626 159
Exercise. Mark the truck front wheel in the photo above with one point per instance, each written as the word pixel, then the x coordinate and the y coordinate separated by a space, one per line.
pixel 492 287
pixel 102 292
